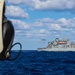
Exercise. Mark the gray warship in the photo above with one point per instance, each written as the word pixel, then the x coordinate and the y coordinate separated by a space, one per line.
pixel 59 45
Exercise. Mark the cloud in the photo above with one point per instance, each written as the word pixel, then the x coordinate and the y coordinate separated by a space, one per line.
pixel 28 30
pixel 38 33
pixel 44 27
pixel 20 25
pixel 16 12
pixel 73 32
pixel 54 5
pixel 59 24
pixel 16 2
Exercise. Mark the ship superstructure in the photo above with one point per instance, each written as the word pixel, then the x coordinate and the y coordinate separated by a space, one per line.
pixel 59 45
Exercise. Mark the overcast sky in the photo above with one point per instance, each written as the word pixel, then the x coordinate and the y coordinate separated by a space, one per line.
pixel 35 20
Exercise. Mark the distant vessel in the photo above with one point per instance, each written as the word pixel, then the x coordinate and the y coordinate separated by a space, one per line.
pixel 59 45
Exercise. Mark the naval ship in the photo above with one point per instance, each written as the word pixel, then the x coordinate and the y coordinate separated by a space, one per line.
pixel 59 45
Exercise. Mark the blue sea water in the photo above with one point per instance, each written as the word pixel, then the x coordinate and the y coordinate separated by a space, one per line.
pixel 40 63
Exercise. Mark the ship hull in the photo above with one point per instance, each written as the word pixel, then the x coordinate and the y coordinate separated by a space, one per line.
pixel 56 49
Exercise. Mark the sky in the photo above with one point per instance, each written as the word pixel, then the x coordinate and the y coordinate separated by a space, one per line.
pixel 37 22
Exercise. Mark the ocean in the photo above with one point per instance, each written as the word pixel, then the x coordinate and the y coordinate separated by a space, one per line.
pixel 39 63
